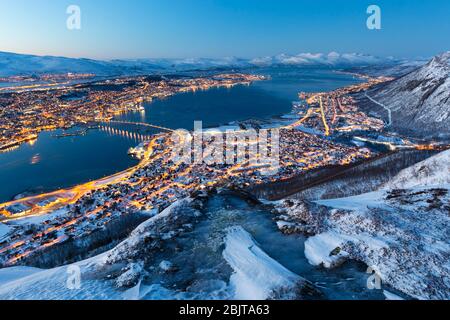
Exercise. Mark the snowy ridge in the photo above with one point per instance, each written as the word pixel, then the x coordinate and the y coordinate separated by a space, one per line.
pixel 130 246
pixel 22 64
pixel 12 64
pixel 420 100
pixel 319 250
pixel 400 231
pixel 402 234
pixel 21 283
pixel 430 172
pixel 332 58
pixel 133 271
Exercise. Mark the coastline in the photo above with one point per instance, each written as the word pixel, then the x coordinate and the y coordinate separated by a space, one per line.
pixel 155 187
pixel 133 103
pixel 273 121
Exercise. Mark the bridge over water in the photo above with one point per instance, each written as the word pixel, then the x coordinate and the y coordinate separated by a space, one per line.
pixel 110 129
pixel 140 124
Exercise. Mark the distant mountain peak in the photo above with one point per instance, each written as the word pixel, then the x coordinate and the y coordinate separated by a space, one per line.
pixel 442 60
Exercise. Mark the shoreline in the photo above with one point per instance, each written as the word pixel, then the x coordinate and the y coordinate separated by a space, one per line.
pixel 134 101
pixel 274 121
pixel 158 185
pixel 156 191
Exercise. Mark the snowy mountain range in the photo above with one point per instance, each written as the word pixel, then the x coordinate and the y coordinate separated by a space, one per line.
pixel 22 64
pixel 420 100
pixel 331 59
pixel 12 64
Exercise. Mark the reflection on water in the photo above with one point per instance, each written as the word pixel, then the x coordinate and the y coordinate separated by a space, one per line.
pixel 51 163
pixel 35 159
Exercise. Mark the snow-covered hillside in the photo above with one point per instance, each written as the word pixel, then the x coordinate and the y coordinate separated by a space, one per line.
pixel 401 231
pixel 402 235
pixel 420 100
pixel 138 268
pixel 389 68
pixel 431 172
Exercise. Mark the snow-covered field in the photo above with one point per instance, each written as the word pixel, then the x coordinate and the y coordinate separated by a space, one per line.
pixel 54 284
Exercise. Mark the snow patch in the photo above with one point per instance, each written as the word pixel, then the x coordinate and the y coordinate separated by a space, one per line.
pixel 256 275
pixel 430 172
pixel 325 250
pixel 402 234
pixel 8 275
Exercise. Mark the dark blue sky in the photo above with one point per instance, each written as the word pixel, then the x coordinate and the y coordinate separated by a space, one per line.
pixel 218 28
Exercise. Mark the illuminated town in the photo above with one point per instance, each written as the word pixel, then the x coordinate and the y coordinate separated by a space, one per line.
pixel 233 151
pixel 337 111
pixel 28 111
pixel 157 181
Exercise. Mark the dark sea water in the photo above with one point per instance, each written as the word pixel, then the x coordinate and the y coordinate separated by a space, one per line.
pixel 53 163
pixel 261 100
